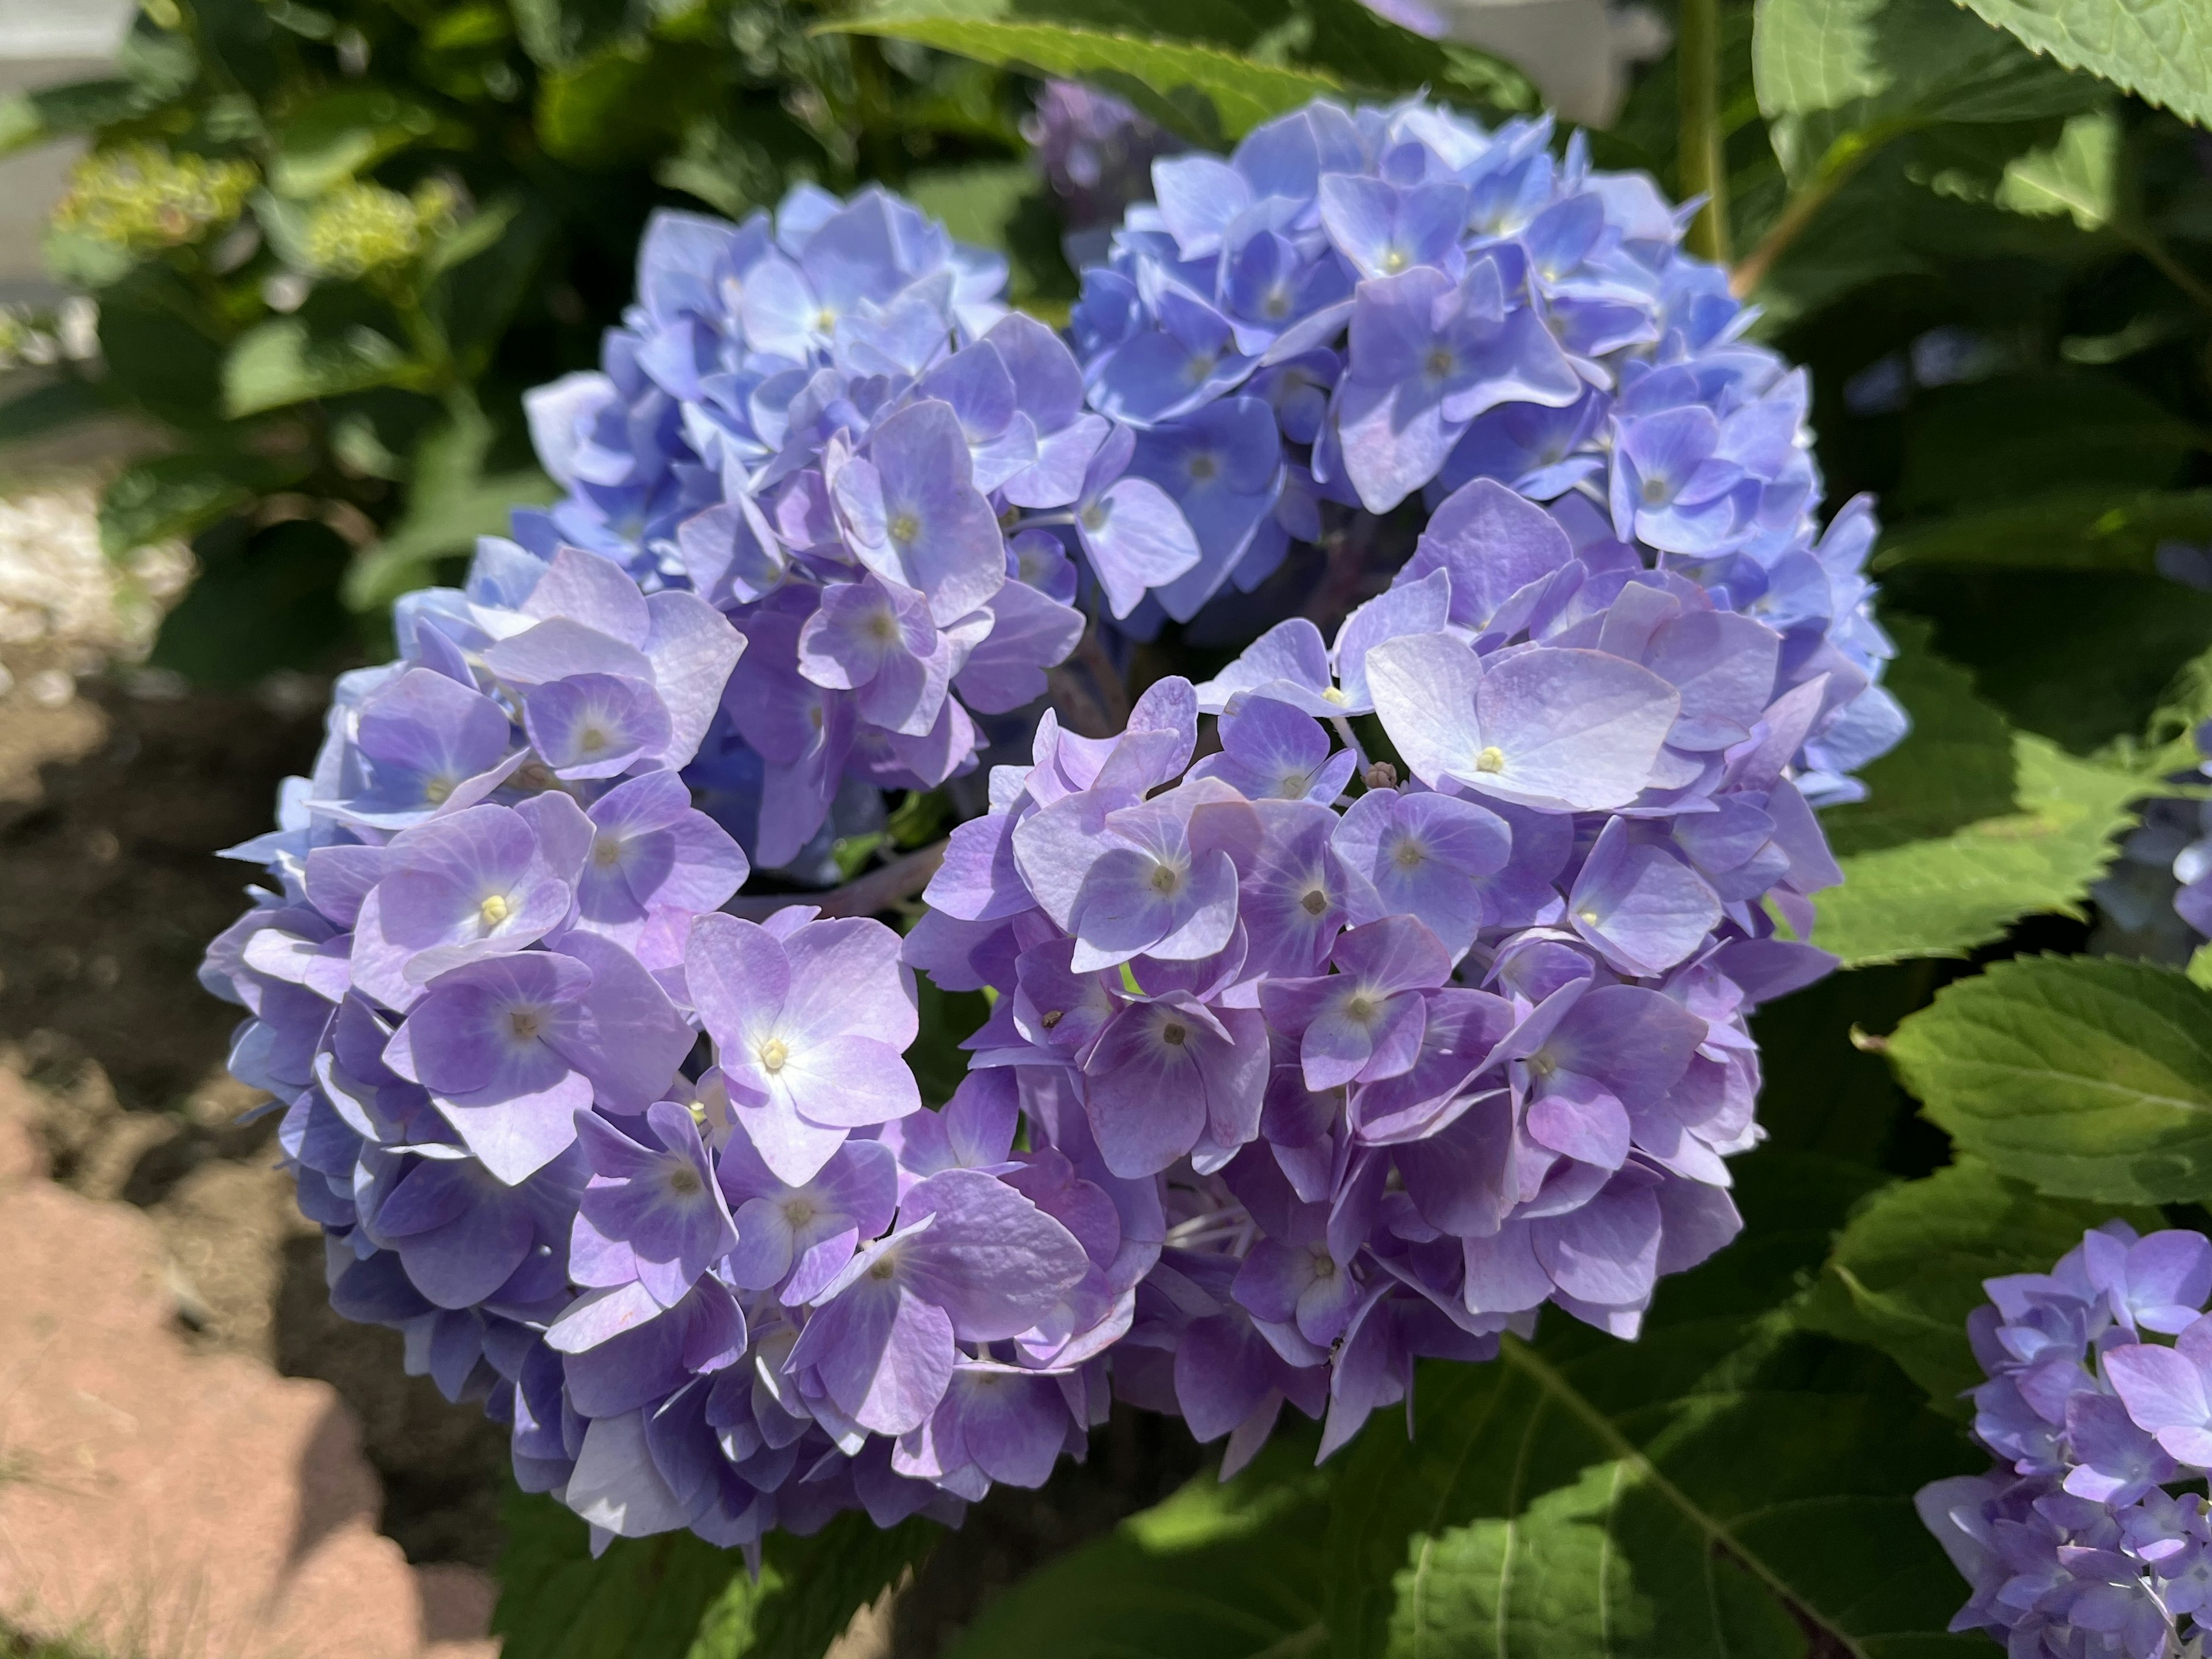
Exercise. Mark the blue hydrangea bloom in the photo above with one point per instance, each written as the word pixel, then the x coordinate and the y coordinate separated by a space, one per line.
pixel 1419 304
pixel 2081 1541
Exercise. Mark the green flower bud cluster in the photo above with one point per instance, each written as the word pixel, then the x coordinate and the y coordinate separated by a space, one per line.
pixel 362 227
pixel 140 197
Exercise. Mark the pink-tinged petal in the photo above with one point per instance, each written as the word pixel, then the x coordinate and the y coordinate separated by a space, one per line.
pixel 599 1316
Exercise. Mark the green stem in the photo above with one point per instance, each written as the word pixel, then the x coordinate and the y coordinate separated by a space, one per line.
pixel 2167 265
pixel 1702 172
pixel 1836 171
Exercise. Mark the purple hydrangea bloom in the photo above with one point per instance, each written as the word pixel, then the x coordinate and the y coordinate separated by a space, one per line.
pixel 824 424
pixel 653 1183
pixel 1414 1059
pixel 2077 1541
pixel 1299 1070
pixel 1362 308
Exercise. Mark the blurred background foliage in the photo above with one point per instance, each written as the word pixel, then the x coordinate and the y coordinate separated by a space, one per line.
pixel 332 244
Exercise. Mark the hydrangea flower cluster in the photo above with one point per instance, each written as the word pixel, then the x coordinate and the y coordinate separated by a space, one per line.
pixel 1361 307
pixel 824 423
pixel 2156 898
pixel 1303 1063
pixel 652 1181
pixel 2084 1539
pixel 1410 1065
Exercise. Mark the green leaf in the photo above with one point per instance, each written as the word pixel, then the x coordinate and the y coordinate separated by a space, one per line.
pixel 453 500
pixel 675 1596
pixel 1203 92
pixel 265 599
pixel 643 1599
pixel 483 270
pixel 1821 1092
pixel 2078 176
pixel 180 495
pixel 976 203
pixel 1731 1485
pixel 1217 1572
pixel 1006 206
pixel 2088 528
pixel 810 1587
pixel 948 1017
pixel 156 357
pixel 1908 1267
pixel 2160 49
pixel 1953 768
pixel 283 361
pixel 557 34
pixel 33 118
pixel 1838 77
pixel 1943 897
pixel 343 133
pixel 2090 1077
pixel 2082 657
pixel 2019 437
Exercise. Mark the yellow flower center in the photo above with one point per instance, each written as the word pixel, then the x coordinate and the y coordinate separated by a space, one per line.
pixel 772 1054
pixel 1492 759
pixel 495 909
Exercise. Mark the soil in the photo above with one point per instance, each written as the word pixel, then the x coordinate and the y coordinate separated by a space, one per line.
pixel 113 802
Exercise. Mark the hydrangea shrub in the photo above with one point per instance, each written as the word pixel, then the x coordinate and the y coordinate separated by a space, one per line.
pixel 1393 673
